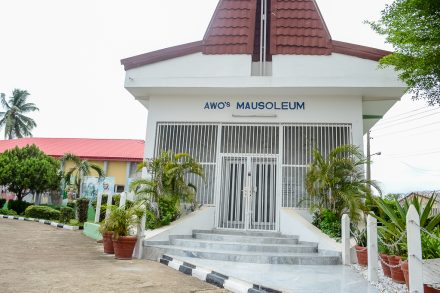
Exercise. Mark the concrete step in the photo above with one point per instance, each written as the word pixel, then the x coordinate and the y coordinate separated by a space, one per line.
pixel 240 246
pixel 246 239
pixel 251 257
pixel 243 233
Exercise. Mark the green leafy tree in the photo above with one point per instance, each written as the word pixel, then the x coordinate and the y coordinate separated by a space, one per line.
pixel 168 185
pixel 16 123
pixel 80 169
pixel 412 27
pixel 337 183
pixel 28 169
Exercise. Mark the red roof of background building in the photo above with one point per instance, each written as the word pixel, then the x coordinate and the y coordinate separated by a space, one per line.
pixel 296 28
pixel 85 148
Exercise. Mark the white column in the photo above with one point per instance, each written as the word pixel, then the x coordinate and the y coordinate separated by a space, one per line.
pixel 105 168
pixel 415 265
pixel 372 248
pixel 123 199
pixel 138 249
pixel 98 207
pixel 345 234
pixel 127 175
pixel 109 203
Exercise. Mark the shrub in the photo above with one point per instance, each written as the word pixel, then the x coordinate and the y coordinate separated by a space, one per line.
pixel 328 222
pixel 7 212
pixel 82 207
pixel 168 212
pixel 53 206
pixel 116 198
pixel 72 205
pixel 42 212
pixel 431 245
pixel 66 214
pixel 18 206
pixel 2 202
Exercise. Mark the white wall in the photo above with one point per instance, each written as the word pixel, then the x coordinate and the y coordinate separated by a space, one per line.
pixel 318 109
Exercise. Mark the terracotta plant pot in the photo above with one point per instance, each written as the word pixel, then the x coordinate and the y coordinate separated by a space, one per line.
pixel 428 289
pixel 124 247
pixel 404 267
pixel 385 262
pixel 362 255
pixel 108 242
pixel 396 272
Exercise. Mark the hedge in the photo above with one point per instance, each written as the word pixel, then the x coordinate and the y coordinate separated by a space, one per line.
pixel 7 212
pixel 66 214
pixel 82 205
pixel 18 206
pixel 2 202
pixel 42 212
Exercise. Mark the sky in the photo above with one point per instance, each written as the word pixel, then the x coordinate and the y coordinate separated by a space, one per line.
pixel 67 55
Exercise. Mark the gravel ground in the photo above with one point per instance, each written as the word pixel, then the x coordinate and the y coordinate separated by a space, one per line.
pixel 41 258
pixel 385 284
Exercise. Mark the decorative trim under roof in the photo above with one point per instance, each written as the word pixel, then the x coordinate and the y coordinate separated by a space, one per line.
pixel 359 51
pixel 161 55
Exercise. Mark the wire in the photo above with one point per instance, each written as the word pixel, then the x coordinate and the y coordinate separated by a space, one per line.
pixel 391 120
pixel 405 130
pixel 404 113
pixel 405 121
pixel 414 154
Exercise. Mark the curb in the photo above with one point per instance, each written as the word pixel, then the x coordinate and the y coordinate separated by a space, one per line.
pixel 46 222
pixel 214 278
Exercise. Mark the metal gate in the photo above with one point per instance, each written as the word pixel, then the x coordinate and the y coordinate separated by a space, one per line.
pixel 248 192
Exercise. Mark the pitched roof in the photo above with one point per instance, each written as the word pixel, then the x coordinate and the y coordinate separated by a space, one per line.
pixel 231 30
pixel 85 148
pixel 296 27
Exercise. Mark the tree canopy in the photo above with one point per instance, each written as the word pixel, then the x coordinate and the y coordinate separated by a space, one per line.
pixel 80 169
pixel 28 169
pixel 412 27
pixel 16 123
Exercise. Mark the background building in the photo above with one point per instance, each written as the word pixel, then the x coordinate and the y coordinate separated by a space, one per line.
pixel 117 157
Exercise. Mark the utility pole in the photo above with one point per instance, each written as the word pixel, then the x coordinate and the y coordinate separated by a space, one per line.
pixel 368 157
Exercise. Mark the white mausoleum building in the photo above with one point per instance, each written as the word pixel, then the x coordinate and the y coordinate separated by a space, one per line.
pixel 265 86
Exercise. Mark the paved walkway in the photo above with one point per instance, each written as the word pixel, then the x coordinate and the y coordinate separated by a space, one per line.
pixel 291 278
pixel 40 258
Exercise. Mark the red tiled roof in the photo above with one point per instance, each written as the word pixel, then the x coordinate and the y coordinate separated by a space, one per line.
pixel 85 148
pixel 231 30
pixel 297 28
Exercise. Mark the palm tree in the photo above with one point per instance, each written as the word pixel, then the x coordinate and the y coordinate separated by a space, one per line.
pixel 80 169
pixel 169 173
pixel 16 124
pixel 337 182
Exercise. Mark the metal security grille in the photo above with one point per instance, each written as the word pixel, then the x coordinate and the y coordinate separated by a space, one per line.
pixel 247 193
pixel 198 140
pixel 299 141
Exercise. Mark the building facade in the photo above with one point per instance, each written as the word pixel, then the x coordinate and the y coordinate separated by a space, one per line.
pixel 265 87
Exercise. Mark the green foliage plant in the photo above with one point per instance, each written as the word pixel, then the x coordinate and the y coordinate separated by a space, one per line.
pixel 328 222
pixel 337 182
pixel 82 208
pixel 431 245
pixel 412 27
pixel 394 229
pixel 2 202
pixel 360 236
pixel 18 206
pixel 14 118
pixel 168 185
pixel 42 212
pixel 7 212
pixel 121 219
pixel 66 214
pixel 80 169
pixel 28 169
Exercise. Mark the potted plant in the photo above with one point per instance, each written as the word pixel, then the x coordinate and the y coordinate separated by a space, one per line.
pixel 122 220
pixel 361 246
pixel 106 230
pixel 384 253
